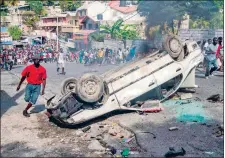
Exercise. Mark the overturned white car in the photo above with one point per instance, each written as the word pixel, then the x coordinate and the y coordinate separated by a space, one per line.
pixel 158 75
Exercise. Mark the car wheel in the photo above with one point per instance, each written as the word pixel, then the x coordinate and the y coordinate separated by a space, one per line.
pixel 173 46
pixel 90 88
pixel 68 85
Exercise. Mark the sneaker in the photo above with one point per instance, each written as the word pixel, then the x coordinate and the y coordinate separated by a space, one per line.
pixel 26 114
pixel 211 75
pixel 206 77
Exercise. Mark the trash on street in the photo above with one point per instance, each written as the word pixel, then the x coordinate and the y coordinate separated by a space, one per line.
pixel 173 153
pixel 173 128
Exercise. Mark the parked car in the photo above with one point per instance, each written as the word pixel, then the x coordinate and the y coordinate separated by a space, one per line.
pixel 157 76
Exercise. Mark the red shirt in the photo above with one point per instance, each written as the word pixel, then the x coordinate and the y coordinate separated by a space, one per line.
pixel 34 75
pixel 218 50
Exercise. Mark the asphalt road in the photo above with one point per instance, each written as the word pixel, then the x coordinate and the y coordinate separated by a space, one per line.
pixel 196 120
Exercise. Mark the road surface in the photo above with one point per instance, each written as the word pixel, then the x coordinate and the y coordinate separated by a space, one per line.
pixel 196 121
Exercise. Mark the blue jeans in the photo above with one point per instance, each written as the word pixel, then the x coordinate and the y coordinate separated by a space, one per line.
pixel 210 63
pixel 31 93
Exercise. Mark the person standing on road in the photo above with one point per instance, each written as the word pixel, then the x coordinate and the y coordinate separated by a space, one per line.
pixel 61 63
pixel 218 54
pixel 211 58
pixel 35 75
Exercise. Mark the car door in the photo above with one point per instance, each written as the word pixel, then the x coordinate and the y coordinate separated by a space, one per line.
pixel 138 82
pixel 134 88
pixel 172 72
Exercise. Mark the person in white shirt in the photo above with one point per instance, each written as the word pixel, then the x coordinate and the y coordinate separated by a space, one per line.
pixel 120 53
pixel 61 63
pixel 211 57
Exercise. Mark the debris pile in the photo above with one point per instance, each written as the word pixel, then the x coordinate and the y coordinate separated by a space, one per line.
pixel 215 98
pixel 109 138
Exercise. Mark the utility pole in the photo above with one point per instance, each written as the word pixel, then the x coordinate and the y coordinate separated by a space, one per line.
pixel 57 34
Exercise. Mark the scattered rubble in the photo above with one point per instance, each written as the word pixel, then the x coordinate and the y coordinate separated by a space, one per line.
pixel 184 96
pixel 125 152
pixel 219 131
pixel 173 128
pixel 215 98
pixel 95 145
pixel 85 129
pixel 79 133
pixel 173 153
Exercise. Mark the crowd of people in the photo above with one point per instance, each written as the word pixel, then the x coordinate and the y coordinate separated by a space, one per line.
pixel 15 56
pixel 104 56
pixel 49 54
pixel 213 60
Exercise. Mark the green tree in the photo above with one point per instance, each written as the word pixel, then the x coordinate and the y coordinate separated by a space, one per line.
pixel 70 5
pixel 30 20
pixel 48 3
pixel 199 24
pixel 217 21
pixel 15 32
pixel 112 30
pixel 36 6
pixel 96 36
pixel 164 12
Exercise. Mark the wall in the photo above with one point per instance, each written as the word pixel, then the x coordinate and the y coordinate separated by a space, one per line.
pixel 141 45
pixel 199 34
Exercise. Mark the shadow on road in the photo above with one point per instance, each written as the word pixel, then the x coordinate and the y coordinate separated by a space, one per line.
pixel 15 149
pixel 7 101
pixel 20 149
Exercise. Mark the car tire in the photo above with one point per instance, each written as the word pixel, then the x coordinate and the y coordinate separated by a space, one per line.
pixel 68 85
pixel 173 46
pixel 90 88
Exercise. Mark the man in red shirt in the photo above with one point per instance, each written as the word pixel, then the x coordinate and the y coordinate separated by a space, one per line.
pixel 35 75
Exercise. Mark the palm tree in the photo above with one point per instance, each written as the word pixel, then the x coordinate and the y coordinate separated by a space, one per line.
pixel 112 29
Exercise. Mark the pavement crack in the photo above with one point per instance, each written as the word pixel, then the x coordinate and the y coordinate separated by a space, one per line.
pixel 199 149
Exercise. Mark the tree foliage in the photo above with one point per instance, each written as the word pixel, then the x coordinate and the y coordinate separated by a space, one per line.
pixel 48 3
pixel 120 31
pixel 96 36
pixel 36 6
pixel 11 3
pixel 199 24
pixel 70 5
pixel 31 21
pixel 217 21
pixel 15 32
pixel 164 12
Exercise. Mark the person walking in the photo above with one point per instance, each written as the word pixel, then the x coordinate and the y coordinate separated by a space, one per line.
pixel 35 75
pixel 100 55
pixel 218 54
pixel 61 63
pixel 211 58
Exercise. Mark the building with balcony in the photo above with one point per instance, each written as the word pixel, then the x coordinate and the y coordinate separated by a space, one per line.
pixel 49 24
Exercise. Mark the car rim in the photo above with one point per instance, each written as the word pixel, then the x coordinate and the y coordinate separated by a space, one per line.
pixel 90 87
pixel 174 45
pixel 70 87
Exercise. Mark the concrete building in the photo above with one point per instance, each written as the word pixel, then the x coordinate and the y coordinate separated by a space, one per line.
pixel 110 12
pixel 48 25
